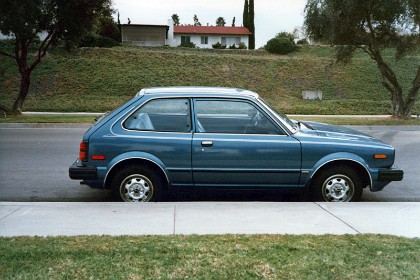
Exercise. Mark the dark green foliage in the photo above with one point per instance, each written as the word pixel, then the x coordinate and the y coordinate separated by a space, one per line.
pixel 196 21
pixel 58 20
pixel 218 45
pixel 241 46
pixel 93 40
pixel 107 27
pixel 245 16
pixel 220 21
pixel 175 19
pixel 251 26
pixel 286 35
pixel 280 45
pixel 371 26
pixel 187 45
pixel 302 42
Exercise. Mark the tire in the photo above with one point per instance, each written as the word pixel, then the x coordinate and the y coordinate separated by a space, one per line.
pixel 137 184
pixel 337 184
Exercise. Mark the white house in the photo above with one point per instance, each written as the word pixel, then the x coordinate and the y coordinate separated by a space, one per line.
pixel 206 36
pixel 201 36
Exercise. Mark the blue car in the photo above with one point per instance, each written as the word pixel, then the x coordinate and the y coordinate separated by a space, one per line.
pixel 225 138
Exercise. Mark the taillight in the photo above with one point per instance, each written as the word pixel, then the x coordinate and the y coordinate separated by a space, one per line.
pixel 83 152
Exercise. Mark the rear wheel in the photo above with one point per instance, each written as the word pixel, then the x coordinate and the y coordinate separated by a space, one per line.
pixel 137 184
pixel 337 184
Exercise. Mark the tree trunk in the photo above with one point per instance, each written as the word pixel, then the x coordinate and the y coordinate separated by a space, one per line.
pixel 23 92
pixel 412 95
pixel 400 107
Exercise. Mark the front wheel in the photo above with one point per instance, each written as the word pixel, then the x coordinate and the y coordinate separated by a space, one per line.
pixel 137 184
pixel 337 184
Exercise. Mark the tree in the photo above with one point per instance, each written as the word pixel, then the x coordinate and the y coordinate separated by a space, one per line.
pixel 251 26
pixel 245 16
pixel 233 22
pixel 196 21
pixel 220 21
pixel 371 26
pixel 248 21
pixel 57 20
pixel 175 19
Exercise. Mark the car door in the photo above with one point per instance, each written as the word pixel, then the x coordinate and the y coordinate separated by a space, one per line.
pixel 161 130
pixel 235 144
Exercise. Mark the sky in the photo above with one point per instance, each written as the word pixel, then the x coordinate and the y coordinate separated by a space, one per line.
pixel 271 16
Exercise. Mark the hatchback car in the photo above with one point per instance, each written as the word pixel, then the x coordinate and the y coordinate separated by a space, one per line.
pixel 203 137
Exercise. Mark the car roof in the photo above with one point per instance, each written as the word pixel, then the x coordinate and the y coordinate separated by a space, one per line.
pixel 199 91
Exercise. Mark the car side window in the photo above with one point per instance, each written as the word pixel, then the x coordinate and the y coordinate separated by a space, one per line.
pixel 233 117
pixel 166 115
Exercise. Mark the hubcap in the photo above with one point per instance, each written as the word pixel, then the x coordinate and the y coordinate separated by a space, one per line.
pixel 338 188
pixel 136 188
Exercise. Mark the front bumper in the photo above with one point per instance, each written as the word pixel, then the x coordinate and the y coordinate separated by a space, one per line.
pixel 390 175
pixel 78 171
pixel 385 177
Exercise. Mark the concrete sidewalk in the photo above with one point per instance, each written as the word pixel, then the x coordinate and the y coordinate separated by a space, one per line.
pixel 56 219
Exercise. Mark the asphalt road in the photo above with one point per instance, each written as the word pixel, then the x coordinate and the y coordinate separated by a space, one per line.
pixel 34 167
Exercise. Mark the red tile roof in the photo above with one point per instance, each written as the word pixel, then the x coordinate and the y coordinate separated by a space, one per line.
pixel 222 30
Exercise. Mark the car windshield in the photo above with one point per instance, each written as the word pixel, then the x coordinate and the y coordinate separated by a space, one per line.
pixel 285 120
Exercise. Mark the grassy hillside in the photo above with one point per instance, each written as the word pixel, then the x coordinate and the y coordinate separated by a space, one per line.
pixel 100 79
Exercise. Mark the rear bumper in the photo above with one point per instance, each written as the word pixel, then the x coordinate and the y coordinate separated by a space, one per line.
pixel 78 171
pixel 390 175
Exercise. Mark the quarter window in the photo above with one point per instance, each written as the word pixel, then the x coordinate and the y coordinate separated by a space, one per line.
pixel 169 115
pixel 233 117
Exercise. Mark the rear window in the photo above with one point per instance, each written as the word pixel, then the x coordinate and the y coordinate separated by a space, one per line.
pixel 166 115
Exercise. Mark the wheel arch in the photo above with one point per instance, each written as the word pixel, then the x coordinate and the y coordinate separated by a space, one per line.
pixel 357 165
pixel 119 164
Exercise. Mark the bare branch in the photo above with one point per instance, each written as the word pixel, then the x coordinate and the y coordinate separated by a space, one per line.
pixel 42 50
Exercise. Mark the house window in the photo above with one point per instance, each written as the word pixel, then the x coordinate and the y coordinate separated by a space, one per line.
pixel 185 39
pixel 204 40
pixel 229 41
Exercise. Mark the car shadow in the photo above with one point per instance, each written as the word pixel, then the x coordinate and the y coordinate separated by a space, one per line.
pixel 242 195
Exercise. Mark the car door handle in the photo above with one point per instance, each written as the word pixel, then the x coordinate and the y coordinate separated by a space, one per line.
pixel 206 143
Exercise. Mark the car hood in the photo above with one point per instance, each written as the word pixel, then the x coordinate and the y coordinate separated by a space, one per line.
pixel 334 131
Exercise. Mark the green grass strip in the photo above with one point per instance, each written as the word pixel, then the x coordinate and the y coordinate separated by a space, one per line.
pixel 211 257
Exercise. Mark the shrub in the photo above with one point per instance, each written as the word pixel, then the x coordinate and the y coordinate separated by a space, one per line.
pixel 242 46
pixel 302 42
pixel 280 46
pixel 218 46
pixel 187 45
pixel 93 40
pixel 286 35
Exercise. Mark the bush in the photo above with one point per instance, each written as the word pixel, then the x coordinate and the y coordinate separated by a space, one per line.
pixel 218 46
pixel 94 40
pixel 280 46
pixel 241 46
pixel 302 42
pixel 286 35
pixel 187 45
